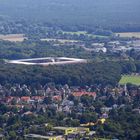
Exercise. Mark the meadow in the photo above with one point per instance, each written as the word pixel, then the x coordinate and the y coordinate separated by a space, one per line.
pixel 13 37
pixel 130 79
pixel 129 34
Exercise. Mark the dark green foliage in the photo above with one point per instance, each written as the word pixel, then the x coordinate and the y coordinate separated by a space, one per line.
pixel 128 67
pixel 122 124
pixel 81 74
pixel 120 14
pixel 35 49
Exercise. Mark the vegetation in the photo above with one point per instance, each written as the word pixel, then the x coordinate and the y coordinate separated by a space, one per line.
pixel 130 79
pixel 123 124
pixel 93 13
pixel 129 34
pixel 72 29
pixel 77 75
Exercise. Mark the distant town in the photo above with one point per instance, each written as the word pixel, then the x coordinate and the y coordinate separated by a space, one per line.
pixel 67 73
pixel 30 102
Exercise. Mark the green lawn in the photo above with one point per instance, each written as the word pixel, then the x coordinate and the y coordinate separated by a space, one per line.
pixel 130 79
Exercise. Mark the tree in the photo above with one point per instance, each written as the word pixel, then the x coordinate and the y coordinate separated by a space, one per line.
pixel 48 100
pixel 12 135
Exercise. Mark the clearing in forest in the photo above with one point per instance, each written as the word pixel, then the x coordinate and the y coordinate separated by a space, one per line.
pixel 129 34
pixel 13 37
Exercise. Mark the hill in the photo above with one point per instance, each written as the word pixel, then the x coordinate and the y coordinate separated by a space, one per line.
pixel 89 12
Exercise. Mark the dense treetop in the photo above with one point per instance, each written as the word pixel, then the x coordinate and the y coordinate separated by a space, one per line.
pixel 75 75
pixel 93 12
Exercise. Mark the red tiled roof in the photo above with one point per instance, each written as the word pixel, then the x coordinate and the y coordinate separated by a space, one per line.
pixel 37 97
pixel 25 98
pixel 79 94
pixel 9 98
pixel 57 97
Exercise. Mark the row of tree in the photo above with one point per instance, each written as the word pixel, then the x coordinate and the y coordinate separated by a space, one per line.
pixel 81 74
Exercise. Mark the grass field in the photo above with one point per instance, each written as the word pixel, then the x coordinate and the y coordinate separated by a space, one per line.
pixel 77 33
pixel 129 34
pixel 130 79
pixel 13 37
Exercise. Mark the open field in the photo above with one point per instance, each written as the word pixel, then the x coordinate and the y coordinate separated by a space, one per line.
pixel 77 33
pixel 13 37
pixel 130 79
pixel 129 34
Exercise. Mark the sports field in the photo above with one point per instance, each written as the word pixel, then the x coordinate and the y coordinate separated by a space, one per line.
pixel 130 79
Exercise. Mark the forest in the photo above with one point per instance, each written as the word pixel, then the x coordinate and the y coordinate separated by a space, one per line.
pixel 74 75
pixel 106 72
pixel 92 13
pixel 77 29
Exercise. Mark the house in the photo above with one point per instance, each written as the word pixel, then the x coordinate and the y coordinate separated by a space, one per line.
pixel 100 49
pixel 8 99
pixel 41 92
pixel 38 99
pixel 28 113
pixel 25 99
pixel 71 130
pixel 66 109
pixel 104 115
pixel 35 136
pixel 82 93
pixel 106 109
pixel 1 136
pixel 11 99
pixel 57 98
pixel 67 103
pixel 136 110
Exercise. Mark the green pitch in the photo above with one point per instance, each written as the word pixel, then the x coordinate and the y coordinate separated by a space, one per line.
pixel 130 79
